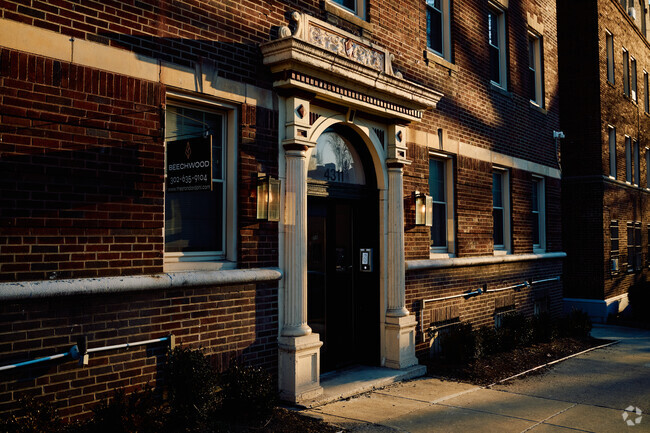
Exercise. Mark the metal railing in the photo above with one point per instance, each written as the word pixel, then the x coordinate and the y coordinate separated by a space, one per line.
pixel 75 353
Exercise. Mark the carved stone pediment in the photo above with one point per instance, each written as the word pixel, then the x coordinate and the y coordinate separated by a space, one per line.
pixel 338 66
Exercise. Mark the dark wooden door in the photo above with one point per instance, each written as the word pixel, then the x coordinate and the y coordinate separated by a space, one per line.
pixel 343 301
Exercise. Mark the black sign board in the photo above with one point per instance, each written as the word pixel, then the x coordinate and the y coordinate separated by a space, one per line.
pixel 189 164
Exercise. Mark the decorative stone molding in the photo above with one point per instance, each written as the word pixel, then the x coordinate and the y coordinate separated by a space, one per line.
pixel 338 66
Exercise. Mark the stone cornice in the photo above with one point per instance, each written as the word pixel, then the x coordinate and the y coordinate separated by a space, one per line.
pixel 341 67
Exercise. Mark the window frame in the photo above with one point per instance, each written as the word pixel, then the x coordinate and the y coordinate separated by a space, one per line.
pixel 540 184
pixel 445 13
pixel 609 48
pixel 626 73
pixel 500 15
pixel 538 70
pixel 634 247
pixel 506 247
pixel 611 133
pixel 359 8
pixel 226 259
pixel 647 168
pixel 633 80
pixel 450 227
pixel 614 248
pixel 646 93
pixel 636 163
pixel 628 159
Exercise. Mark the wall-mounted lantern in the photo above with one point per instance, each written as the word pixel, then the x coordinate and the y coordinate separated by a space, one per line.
pixel 423 209
pixel 268 198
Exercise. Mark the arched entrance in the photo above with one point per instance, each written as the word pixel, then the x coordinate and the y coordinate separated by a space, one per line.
pixel 342 249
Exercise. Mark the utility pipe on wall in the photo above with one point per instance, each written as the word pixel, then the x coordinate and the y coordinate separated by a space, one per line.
pixel 525 284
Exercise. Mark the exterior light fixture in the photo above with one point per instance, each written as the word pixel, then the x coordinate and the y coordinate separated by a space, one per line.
pixel 423 209
pixel 268 198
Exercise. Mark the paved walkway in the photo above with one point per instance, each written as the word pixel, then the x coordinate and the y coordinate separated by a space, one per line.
pixel 587 393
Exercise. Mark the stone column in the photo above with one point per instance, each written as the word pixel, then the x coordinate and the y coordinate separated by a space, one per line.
pixel 400 325
pixel 295 244
pixel 299 348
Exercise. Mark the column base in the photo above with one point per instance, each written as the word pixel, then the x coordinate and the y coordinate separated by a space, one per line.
pixel 299 367
pixel 400 342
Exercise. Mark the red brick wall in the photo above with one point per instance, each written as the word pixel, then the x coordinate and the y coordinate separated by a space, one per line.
pixel 591 200
pixel 81 171
pixel 227 322
pixel 479 310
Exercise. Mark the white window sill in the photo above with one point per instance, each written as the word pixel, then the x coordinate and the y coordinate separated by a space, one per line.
pixel 535 106
pixel 346 15
pixel 501 252
pixel 438 59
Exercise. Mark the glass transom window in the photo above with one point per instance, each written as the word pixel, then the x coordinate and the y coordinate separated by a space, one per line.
pixel 335 160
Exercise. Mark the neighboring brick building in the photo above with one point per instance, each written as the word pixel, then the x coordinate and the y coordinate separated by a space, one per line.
pixel 114 228
pixel 605 116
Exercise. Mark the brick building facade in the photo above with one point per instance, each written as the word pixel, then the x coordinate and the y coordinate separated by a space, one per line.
pixel 605 154
pixel 353 106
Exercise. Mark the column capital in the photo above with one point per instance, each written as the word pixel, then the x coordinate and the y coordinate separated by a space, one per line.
pixel 297 145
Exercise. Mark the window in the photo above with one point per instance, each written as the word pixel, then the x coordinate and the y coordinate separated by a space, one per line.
pixel 501 210
pixel 634 251
pixel 358 7
pixel 612 151
pixel 441 191
pixel 538 210
pixel 609 41
pixel 646 93
pixel 626 73
pixel 535 81
pixel 613 250
pixel 196 215
pixel 637 163
pixel 438 28
pixel 628 160
pixel 497 45
pixel 633 79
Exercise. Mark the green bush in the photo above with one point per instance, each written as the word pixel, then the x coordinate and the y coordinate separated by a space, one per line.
pixel 192 390
pixel 33 417
pixel 515 331
pixel 487 341
pixel 458 343
pixel 639 298
pixel 544 328
pixel 141 411
pixel 248 393
pixel 576 324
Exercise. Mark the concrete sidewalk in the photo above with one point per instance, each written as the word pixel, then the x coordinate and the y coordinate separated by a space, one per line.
pixel 589 393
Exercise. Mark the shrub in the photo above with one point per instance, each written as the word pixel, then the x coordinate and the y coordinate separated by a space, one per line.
pixel 141 411
pixel 33 417
pixel 487 341
pixel 192 390
pixel 544 328
pixel 576 324
pixel 639 297
pixel 515 331
pixel 248 393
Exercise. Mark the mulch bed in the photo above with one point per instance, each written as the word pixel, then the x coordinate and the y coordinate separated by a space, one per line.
pixel 491 369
